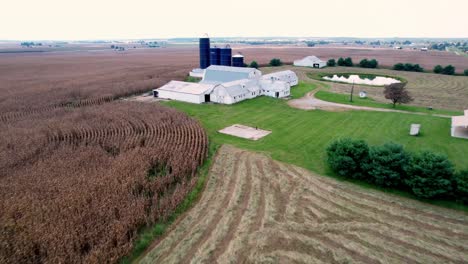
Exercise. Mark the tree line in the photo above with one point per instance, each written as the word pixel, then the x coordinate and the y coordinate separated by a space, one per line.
pixel 425 174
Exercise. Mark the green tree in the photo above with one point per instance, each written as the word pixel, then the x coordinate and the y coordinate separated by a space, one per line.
pixel 346 157
pixel 438 69
pixel 341 62
pixel 363 63
pixel 348 62
pixel 448 70
pixel 276 62
pixel 373 63
pixel 386 165
pixel 461 186
pixel 466 72
pixel 399 67
pixel 397 93
pixel 253 64
pixel 332 63
pixel 430 175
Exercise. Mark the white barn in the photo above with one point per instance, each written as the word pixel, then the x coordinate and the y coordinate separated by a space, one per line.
pixel 185 91
pixel 310 61
pixel 285 76
pixel 223 74
pixel 460 126
pixel 229 85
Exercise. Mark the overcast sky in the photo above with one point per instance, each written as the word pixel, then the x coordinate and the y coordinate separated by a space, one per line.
pixel 116 19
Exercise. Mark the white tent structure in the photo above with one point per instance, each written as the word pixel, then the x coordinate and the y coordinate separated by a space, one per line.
pixel 285 76
pixel 185 91
pixel 310 61
pixel 460 126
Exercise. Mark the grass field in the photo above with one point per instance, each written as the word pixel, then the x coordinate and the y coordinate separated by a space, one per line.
pixel 300 137
pixel 434 90
pixel 257 210
pixel 344 99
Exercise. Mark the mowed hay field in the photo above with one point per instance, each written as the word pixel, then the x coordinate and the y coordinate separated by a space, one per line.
pixel 428 89
pixel 257 210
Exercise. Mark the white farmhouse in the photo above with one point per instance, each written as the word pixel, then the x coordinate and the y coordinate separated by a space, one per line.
pixel 310 61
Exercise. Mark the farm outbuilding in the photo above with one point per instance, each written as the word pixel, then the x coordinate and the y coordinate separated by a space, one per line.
pixel 460 126
pixel 285 76
pixel 221 74
pixel 185 91
pixel 235 91
pixel 273 88
pixel 310 61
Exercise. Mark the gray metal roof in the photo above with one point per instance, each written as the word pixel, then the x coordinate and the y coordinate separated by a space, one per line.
pixel 222 74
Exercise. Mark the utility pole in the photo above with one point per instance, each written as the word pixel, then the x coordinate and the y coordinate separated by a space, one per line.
pixel 352 90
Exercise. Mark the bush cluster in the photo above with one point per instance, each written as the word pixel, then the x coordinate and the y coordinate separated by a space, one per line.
pixel 332 63
pixel 408 67
pixel 348 62
pixel 448 70
pixel 276 62
pixel 425 174
pixel 365 63
pixel 466 72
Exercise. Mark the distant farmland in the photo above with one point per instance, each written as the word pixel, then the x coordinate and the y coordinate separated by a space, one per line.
pixel 255 209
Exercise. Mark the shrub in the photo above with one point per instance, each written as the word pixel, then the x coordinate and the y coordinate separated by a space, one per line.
pixel 430 175
pixel 348 62
pixel 341 62
pixel 408 67
pixel 399 67
pixel 387 163
pixel 253 64
pixel 438 69
pixel 276 62
pixel 332 63
pixel 365 63
pixel 461 186
pixel 345 157
pixel 448 70
pixel 466 72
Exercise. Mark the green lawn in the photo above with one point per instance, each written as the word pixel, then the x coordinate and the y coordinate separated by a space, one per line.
pixel 344 99
pixel 301 137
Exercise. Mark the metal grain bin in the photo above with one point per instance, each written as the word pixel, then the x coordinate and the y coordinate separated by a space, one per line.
pixel 204 52
pixel 226 55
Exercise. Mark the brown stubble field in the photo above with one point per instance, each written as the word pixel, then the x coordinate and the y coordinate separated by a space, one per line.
pixel 257 210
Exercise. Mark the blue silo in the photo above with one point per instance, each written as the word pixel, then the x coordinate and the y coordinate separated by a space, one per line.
pixel 204 52
pixel 215 56
pixel 226 55
pixel 238 60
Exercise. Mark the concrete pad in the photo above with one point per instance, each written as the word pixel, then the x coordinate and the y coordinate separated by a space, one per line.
pixel 245 132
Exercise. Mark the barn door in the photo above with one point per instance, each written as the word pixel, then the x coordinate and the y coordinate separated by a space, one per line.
pixel 207 98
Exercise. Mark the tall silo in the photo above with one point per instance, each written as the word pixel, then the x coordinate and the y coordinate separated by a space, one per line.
pixel 238 60
pixel 226 55
pixel 204 51
pixel 215 56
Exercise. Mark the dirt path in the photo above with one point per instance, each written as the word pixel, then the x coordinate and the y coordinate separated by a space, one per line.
pixel 255 209
pixel 309 102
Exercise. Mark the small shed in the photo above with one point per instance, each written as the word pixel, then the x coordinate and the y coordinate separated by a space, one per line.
pixel 185 91
pixel 310 61
pixel 460 126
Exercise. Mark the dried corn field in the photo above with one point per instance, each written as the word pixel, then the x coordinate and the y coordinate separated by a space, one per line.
pixel 76 183
pixel 258 210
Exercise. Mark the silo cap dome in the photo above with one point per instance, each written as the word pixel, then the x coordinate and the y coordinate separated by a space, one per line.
pixel 238 56
pixel 205 35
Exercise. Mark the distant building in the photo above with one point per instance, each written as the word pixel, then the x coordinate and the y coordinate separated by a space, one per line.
pixel 229 85
pixel 310 61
